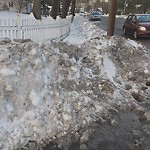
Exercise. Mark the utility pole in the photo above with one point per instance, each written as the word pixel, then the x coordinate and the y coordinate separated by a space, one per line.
pixel 125 5
pixel 112 17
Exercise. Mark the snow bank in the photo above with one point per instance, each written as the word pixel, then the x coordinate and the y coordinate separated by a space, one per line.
pixel 52 88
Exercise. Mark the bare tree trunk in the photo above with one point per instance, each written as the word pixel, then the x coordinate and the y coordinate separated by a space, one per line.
pixel 55 8
pixel 68 5
pixel 44 7
pixel 73 7
pixel 65 7
pixel 37 9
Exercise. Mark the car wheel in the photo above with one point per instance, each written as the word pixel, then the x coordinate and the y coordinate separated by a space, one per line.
pixel 135 35
pixel 124 31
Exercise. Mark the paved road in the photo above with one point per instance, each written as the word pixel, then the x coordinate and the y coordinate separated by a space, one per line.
pixel 118 29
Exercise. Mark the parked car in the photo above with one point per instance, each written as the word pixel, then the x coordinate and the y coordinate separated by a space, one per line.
pixel 137 25
pixel 82 13
pixel 148 12
pixel 95 15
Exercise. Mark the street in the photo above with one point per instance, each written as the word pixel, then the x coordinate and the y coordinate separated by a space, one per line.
pixel 118 29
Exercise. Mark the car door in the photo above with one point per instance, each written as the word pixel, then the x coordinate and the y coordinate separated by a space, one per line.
pixel 130 24
pixel 127 23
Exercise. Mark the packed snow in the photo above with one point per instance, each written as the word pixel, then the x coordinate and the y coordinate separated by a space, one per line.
pixel 51 88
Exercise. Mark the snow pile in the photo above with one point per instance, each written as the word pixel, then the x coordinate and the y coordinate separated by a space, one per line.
pixel 56 87
pixel 81 31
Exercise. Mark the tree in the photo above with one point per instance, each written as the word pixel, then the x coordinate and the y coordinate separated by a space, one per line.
pixel 68 6
pixel 134 6
pixel 73 5
pixel 145 5
pixel 97 4
pixel 18 4
pixel 65 7
pixel 37 9
pixel 55 8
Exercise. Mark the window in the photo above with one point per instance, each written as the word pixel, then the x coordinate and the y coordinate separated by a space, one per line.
pixel 143 18
pixel 134 19
pixel 10 4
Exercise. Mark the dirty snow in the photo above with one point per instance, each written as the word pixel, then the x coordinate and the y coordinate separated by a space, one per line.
pixel 55 87
pixel 109 67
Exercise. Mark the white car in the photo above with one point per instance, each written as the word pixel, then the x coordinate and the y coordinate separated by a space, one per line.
pixel 95 15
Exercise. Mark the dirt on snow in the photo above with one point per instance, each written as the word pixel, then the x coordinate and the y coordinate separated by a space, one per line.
pixel 103 100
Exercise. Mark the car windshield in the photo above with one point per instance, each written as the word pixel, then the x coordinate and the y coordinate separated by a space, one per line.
pixel 95 13
pixel 143 18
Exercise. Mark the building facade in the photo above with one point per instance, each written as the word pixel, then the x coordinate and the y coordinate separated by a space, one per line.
pixel 6 5
pixel 16 6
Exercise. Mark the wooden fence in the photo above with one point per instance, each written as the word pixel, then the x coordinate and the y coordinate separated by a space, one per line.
pixel 36 30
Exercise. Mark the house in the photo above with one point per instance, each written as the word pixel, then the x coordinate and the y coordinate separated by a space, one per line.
pixel 6 5
pixel 23 6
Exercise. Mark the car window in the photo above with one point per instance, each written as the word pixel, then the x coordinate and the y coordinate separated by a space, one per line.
pixel 133 18
pixel 148 18
pixel 95 13
pixel 129 18
pixel 143 18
